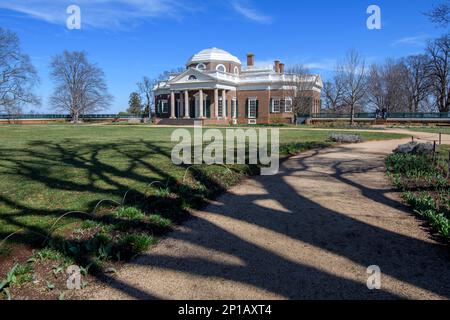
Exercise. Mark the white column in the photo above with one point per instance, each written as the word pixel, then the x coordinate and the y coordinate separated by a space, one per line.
pixel 200 103
pixel 234 103
pixel 181 104
pixel 216 103
pixel 224 104
pixel 172 105
pixel 186 105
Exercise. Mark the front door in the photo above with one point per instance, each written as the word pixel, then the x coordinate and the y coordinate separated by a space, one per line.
pixel 192 109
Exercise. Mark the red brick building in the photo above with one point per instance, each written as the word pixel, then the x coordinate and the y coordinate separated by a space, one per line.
pixel 217 89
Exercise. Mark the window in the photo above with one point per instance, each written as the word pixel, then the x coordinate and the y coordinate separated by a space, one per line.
pixel 201 67
pixel 276 105
pixel 220 107
pixel 252 108
pixel 288 105
pixel 192 78
pixel 221 68
pixel 236 70
pixel 164 106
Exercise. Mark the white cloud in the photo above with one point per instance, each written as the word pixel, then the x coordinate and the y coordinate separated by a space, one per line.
pixel 250 13
pixel 98 13
pixel 326 65
pixel 418 40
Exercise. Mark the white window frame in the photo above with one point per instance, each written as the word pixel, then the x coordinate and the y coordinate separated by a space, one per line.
pixel 164 106
pixel 274 101
pixel 221 66
pixel 250 101
pixel 288 105
pixel 236 70
pixel 201 67
pixel 234 108
pixel 220 107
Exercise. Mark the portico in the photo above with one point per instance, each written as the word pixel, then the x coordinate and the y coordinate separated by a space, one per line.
pixel 202 103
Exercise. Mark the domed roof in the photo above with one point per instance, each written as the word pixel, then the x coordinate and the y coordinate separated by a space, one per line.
pixel 213 54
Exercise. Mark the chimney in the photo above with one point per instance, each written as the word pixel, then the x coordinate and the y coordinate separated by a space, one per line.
pixel 277 66
pixel 250 60
pixel 282 68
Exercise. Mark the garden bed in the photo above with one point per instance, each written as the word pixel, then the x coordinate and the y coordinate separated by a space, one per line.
pixel 424 181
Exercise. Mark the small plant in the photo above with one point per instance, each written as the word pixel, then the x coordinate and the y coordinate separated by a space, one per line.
pixel 159 221
pixel 23 273
pixel 163 192
pixel 48 254
pixel 130 213
pixel 17 275
pixel 5 251
pixel 88 224
pixel 10 278
pixel 49 286
pixel 133 244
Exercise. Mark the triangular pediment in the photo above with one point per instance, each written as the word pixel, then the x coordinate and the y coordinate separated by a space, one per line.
pixel 192 76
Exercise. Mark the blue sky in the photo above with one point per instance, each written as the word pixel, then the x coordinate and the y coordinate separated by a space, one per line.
pixel 133 38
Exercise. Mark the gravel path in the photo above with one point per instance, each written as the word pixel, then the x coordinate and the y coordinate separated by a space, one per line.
pixel 308 233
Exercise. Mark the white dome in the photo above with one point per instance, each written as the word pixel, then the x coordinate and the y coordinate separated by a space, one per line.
pixel 212 54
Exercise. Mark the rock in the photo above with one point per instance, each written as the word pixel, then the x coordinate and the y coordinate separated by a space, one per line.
pixel 415 147
pixel 345 138
pixel 425 148
pixel 406 148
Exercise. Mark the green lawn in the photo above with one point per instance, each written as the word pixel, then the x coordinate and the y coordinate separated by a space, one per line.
pixel 46 171
pixel 443 130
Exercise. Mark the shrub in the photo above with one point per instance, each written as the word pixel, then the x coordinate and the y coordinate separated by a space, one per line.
pixel 345 138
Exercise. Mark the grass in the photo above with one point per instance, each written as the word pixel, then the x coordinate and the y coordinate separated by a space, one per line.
pixel 425 186
pixel 49 170
pixel 431 129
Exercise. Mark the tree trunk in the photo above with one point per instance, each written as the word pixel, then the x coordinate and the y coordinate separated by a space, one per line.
pixel 352 116
pixel 76 118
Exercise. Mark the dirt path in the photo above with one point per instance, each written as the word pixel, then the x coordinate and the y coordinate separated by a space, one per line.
pixel 308 233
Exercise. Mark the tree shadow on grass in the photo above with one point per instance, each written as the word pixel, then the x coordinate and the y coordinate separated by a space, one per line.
pixel 401 257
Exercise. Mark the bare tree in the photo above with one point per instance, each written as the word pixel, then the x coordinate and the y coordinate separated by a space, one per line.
pixel 417 81
pixel 169 73
pixel 438 51
pixel 396 75
pixel 146 90
pixel 80 85
pixel 301 84
pixel 353 74
pixel 389 86
pixel 377 87
pixel 332 94
pixel 18 77
pixel 440 14
pixel 147 87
